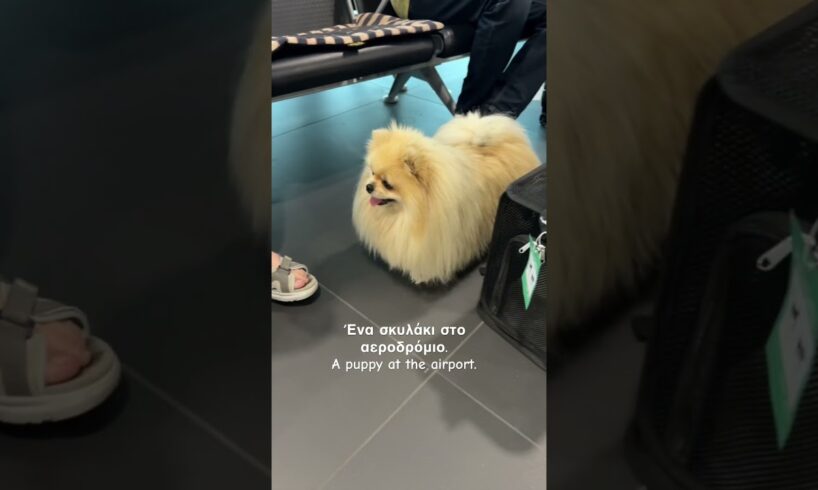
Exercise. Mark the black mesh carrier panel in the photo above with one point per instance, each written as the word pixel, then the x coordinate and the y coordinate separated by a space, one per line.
pixel 501 299
pixel 704 417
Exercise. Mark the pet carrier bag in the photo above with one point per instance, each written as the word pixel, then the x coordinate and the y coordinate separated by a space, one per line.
pixel 521 220
pixel 706 411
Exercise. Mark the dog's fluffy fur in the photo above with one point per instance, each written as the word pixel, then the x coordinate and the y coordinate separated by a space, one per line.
pixel 624 80
pixel 433 200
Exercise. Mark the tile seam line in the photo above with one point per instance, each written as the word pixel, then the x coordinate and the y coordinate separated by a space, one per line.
pixel 198 421
pixel 492 412
pixel 393 414
pixel 376 432
pixel 274 136
pixel 365 317
pixel 417 97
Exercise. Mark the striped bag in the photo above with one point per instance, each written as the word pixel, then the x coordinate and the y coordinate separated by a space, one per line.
pixel 367 26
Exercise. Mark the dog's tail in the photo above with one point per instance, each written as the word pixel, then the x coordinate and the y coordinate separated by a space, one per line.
pixel 482 132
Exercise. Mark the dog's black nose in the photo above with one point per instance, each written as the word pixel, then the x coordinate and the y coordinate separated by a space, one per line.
pixel 370 188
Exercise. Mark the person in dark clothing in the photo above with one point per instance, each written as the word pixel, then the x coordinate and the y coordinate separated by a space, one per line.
pixel 492 84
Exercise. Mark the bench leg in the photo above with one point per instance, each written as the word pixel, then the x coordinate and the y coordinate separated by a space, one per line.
pixel 403 88
pixel 398 86
pixel 433 78
pixel 430 76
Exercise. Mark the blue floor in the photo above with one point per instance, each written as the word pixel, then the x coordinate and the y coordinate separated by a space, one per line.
pixel 483 429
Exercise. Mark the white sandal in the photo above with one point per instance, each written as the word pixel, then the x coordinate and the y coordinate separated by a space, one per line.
pixel 24 396
pixel 283 282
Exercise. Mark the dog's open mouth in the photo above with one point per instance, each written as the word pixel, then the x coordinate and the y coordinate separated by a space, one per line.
pixel 374 201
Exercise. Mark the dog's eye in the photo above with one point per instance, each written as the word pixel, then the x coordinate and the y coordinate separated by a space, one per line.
pixel 387 185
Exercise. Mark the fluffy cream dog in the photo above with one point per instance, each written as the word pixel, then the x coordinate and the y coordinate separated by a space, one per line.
pixel 624 78
pixel 427 205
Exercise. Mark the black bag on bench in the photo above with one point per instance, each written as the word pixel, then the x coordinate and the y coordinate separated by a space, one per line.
pixel 521 214
pixel 704 416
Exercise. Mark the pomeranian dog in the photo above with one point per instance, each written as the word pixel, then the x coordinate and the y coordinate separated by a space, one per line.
pixel 425 205
pixel 624 79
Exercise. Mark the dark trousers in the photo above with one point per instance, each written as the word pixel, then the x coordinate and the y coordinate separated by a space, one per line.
pixel 492 84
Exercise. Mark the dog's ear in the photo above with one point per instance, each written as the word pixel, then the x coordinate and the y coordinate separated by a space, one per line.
pixel 413 161
pixel 378 136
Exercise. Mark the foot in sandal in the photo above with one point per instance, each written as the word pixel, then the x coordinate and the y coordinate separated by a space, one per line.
pixel 66 351
pixel 291 281
pixel 51 369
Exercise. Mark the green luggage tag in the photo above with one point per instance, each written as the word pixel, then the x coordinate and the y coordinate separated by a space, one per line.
pixel 536 257
pixel 791 346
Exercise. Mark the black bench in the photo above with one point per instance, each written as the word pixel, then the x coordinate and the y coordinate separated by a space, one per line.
pixel 299 71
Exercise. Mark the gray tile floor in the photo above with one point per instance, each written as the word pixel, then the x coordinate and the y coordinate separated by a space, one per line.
pixel 190 411
pixel 403 429
pixel 591 402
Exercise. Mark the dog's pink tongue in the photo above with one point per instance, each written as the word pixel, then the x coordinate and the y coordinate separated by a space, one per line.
pixel 374 201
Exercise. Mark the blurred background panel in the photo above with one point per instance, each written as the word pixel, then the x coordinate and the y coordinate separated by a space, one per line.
pixel 121 194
